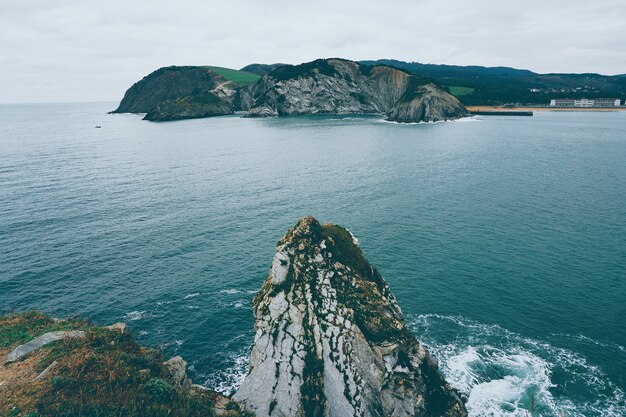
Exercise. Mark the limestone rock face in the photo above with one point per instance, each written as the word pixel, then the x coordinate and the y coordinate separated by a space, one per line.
pixel 426 103
pixel 333 86
pixel 331 340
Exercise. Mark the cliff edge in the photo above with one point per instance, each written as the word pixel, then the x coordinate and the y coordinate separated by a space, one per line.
pixel 71 367
pixel 330 339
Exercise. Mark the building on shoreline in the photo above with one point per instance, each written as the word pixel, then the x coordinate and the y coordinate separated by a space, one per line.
pixel 585 102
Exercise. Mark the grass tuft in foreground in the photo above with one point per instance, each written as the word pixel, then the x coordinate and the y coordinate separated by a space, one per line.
pixel 105 374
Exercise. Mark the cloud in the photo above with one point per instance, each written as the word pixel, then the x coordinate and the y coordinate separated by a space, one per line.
pixel 84 50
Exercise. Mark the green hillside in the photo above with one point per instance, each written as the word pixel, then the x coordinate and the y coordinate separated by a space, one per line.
pixel 476 85
pixel 239 77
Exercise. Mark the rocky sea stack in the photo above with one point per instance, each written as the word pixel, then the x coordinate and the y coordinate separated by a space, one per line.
pixel 331 340
pixel 323 86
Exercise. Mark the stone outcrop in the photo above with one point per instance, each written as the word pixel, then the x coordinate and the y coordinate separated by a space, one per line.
pixel 177 368
pixel 119 326
pixel 173 93
pixel 330 339
pixel 426 103
pixel 29 347
pixel 323 86
pixel 338 86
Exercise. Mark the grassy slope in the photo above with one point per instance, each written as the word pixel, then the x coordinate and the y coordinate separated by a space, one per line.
pixel 460 91
pixel 105 374
pixel 239 77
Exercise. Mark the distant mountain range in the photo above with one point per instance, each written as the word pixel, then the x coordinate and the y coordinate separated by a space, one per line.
pixel 476 85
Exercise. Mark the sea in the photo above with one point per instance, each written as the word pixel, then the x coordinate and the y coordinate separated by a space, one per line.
pixel 503 238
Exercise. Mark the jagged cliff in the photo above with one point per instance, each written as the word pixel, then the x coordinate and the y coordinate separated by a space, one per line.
pixel 174 93
pixel 338 86
pixel 323 86
pixel 331 340
pixel 425 103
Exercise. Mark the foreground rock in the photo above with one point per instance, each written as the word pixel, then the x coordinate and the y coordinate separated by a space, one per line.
pixel 323 86
pixel 40 341
pixel 331 340
pixel 94 371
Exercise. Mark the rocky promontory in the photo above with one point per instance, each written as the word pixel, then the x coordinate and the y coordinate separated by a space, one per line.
pixel 330 339
pixel 323 86
pixel 51 367
pixel 174 93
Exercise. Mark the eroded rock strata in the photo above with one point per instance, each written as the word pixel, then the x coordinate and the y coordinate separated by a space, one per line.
pixel 338 86
pixel 331 340
pixel 323 86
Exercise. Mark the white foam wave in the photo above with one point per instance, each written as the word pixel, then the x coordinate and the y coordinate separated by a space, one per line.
pixel 230 291
pixel 227 381
pixel 470 119
pixel 135 315
pixel 504 374
pixel 589 340
pixel 188 296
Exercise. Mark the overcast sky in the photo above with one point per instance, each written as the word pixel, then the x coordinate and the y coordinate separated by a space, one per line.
pixel 84 50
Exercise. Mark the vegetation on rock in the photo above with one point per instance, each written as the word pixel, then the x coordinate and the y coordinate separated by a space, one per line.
pixel 105 374
pixel 323 86
pixel 330 339
pixel 241 77
pixel 476 85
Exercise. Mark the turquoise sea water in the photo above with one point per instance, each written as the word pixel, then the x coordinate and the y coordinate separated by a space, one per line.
pixel 504 239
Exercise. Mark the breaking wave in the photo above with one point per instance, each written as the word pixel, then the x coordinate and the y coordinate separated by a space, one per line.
pixel 503 374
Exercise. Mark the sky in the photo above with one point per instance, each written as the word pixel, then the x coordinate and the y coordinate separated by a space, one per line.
pixel 84 50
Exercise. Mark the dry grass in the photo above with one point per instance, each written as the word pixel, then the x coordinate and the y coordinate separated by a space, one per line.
pixel 105 374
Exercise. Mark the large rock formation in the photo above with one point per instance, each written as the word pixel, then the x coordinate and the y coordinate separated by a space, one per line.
pixel 426 103
pixel 324 86
pixel 173 93
pixel 331 340
pixel 333 86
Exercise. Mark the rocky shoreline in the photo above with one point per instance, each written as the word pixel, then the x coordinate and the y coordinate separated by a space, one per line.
pixel 330 341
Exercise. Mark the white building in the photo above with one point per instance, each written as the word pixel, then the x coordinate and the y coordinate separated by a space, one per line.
pixel 585 102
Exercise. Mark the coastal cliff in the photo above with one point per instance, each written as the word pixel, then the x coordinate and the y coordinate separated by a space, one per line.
pixel 51 367
pixel 426 103
pixel 330 339
pixel 323 86
pixel 174 93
